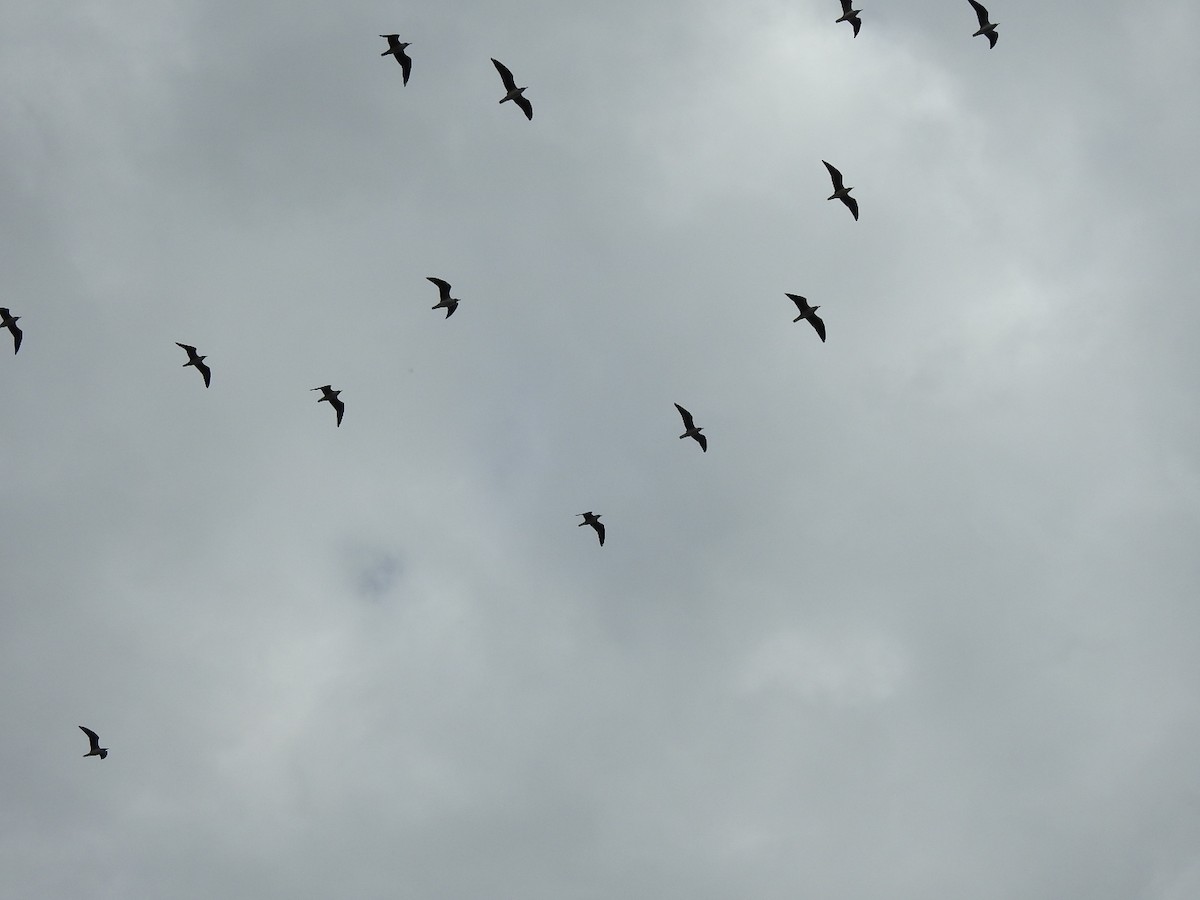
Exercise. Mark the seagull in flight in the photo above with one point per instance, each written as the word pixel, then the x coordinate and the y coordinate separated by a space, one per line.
pixel 9 321
pixel 985 27
pixel 851 16
pixel 808 312
pixel 590 518
pixel 396 49
pixel 841 192
pixel 515 94
pixel 195 359
pixel 449 303
pixel 96 749
pixel 690 429
pixel 330 396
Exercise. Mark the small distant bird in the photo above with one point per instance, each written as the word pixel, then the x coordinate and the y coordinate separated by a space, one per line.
pixel 985 27
pixel 851 16
pixel 9 321
pixel 841 192
pixel 446 300
pixel 195 359
pixel 690 429
pixel 330 396
pixel 94 738
pixel 808 312
pixel 396 49
pixel 590 518
pixel 515 94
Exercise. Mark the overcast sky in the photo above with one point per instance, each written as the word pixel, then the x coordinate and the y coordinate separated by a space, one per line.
pixel 922 622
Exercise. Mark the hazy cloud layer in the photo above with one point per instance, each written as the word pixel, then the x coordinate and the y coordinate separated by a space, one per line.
pixel 923 620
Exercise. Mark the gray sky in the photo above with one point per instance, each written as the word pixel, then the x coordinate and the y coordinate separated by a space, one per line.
pixel 921 623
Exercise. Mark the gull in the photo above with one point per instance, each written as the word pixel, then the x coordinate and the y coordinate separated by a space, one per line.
pixel 808 312
pixel 96 749
pixel 450 303
pixel 195 359
pixel 330 396
pixel 590 518
pixel 9 321
pixel 841 192
pixel 690 429
pixel 985 27
pixel 515 94
pixel 396 49
pixel 851 16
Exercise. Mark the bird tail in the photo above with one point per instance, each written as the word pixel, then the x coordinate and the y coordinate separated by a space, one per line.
pixel 386 53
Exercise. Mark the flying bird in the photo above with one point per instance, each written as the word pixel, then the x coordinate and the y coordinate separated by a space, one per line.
pixel 330 396
pixel 690 429
pixel 396 49
pixel 96 749
pixel 450 303
pixel 195 359
pixel 851 16
pixel 841 192
pixel 590 518
pixel 985 27
pixel 9 321
pixel 808 312
pixel 515 94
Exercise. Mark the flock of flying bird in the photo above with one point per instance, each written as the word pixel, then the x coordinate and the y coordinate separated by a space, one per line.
pixel 396 48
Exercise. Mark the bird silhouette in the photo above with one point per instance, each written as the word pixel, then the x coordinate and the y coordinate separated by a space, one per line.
pixel 590 518
pixel 330 396
pixel 447 302
pixel 851 16
pixel 690 429
pixel 96 749
pixel 396 49
pixel 986 27
pixel 195 359
pixel 9 321
pixel 841 192
pixel 808 312
pixel 515 94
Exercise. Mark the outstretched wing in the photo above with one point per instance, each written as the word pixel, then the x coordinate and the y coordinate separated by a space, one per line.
pixel 17 334
pixel 599 526
pixel 801 302
pixel 852 205
pixel 505 75
pixel 845 7
pixel 688 422
pixel 857 23
pixel 442 286
pixel 92 737
pixel 703 442
pixel 205 371
pixel 526 107
pixel 835 175
pixel 992 36
pixel 818 326
pixel 981 13
pixel 340 407
pixel 405 65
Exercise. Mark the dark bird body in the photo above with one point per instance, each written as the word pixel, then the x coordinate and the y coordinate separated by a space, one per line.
pixel 514 93
pixel 986 27
pixel 808 312
pixel 396 49
pixel 690 429
pixel 851 16
pixel 195 359
pixel 94 739
pixel 9 321
pixel 330 396
pixel 446 302
pixel 841 192
pixel 590 518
